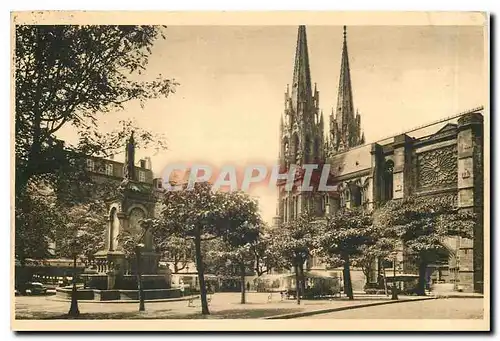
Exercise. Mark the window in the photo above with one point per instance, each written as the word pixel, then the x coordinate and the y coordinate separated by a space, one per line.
pixel 142 176
pixel 356 196
pixel 326 203
pixel 90 165
pixel 109 169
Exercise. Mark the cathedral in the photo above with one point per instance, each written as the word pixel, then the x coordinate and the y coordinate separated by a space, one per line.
pixel 447 163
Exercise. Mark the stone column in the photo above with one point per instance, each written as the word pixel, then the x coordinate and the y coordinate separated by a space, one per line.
pixel 376 183
pixel 402 182
pixel 470 199
pixel 402 166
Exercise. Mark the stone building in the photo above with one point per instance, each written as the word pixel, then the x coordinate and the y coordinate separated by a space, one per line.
pixel 442 159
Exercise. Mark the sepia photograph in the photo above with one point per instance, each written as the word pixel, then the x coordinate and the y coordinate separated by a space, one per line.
pixel 250 171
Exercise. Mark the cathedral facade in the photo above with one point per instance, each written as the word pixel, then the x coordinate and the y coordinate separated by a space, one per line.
pixel 445 164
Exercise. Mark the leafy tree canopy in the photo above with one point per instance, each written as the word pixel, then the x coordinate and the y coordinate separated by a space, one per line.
pixel 69 76
pixel 345 233
pixel 72 75
pixel 421 224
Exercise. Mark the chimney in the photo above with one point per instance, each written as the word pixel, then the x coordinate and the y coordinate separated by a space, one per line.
pixel 148 163
pixel 143 163
pixel 158 183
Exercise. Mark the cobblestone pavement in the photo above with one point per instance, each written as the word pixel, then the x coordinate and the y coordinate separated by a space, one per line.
pixel 222 303
pixel 447 308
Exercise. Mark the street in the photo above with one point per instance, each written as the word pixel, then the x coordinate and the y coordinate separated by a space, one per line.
pixel 449 308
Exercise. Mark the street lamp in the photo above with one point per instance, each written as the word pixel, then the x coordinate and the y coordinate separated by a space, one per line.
pixel 139 246
pixel 394 289
pixel 73 310
pixel 139 276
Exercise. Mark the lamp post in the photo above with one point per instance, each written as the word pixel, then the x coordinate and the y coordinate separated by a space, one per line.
pixel 394 289
pixel 73 310
pixel 139 276
pixel 138 248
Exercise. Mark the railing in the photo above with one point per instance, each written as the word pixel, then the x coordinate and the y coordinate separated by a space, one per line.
pixel 101 265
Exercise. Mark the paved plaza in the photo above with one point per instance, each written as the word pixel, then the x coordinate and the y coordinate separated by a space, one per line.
pixel 447 308
pixel 259 305
pixel 222 305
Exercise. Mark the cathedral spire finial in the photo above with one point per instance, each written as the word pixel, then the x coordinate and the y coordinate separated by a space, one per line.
pixel 346 122
pixel 301 86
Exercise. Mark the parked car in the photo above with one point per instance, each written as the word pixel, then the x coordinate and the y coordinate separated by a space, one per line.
pixel 36 288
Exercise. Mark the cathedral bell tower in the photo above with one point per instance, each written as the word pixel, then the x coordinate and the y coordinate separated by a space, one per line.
pixel 301 134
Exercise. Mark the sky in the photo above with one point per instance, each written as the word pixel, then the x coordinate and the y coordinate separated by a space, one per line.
pixel 227 108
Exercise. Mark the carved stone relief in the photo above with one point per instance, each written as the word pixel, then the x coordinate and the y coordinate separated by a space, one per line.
pixel 437 168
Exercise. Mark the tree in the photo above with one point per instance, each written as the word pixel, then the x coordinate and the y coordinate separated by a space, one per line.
pixel 379 249
pixel 293 243
pixel 38 215
pixel 242 233
pixel 265 255
pixel 421 224
pixel 201 214
pixel 68 75
pixel 343 236
pixel 227 261
pixel 87 223
pixel 177 250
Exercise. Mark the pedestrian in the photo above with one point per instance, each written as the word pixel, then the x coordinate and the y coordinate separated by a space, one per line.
pixel 181 285
pixel 248 286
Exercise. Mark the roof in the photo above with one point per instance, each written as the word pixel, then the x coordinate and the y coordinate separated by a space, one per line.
pixel 351 161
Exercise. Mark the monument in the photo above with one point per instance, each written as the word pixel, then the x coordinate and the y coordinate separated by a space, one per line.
pixel 114 274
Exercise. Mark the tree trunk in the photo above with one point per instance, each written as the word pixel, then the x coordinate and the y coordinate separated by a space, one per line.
pixel 243 284
pixel 385 283
pixel 347 279
pixel 302 279
pixel 176 267
pixel 297 284
pixel 201 275
pixel 422 268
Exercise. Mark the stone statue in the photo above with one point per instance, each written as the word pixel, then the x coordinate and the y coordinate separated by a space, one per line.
pixel 129 167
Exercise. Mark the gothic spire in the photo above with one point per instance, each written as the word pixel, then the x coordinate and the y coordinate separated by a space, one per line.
pixel 345 108
pixel 301 86
pixel 346 126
